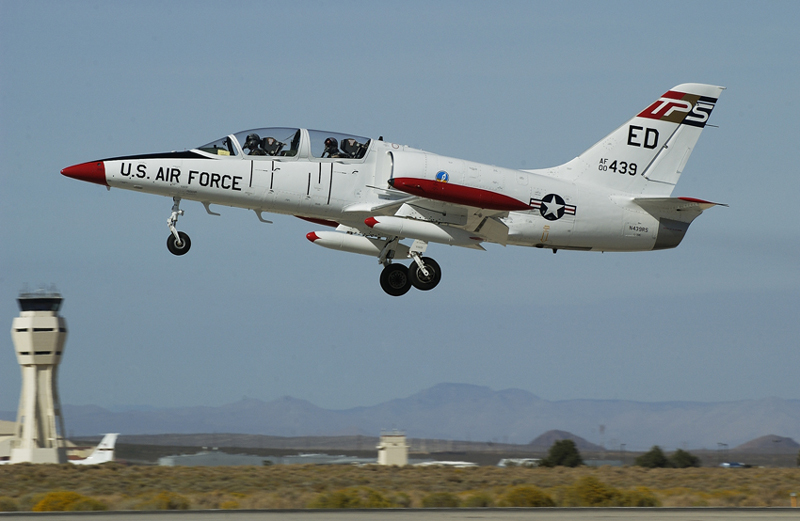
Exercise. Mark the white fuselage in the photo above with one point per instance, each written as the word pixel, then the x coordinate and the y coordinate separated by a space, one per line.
pixel 346 190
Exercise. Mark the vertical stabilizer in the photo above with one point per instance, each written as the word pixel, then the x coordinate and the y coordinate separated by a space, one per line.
pixel 646 155
pixel 103 453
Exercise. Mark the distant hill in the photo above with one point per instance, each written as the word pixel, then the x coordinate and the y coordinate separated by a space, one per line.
pixel 770 444
pixel 546 440
pixel 465 412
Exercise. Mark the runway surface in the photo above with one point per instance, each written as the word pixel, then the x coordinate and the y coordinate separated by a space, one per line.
pixel 489 514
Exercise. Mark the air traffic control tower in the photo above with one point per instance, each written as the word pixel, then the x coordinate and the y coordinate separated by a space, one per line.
pixel 39 334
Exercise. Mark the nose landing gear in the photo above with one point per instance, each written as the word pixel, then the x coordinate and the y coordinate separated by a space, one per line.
pixel 178 243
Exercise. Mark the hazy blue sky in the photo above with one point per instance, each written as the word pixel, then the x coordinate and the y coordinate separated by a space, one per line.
pixel 256 310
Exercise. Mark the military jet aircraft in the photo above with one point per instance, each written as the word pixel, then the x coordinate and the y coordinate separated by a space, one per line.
pixel 616 196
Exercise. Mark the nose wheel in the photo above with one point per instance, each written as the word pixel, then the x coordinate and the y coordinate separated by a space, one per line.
pixel 178 243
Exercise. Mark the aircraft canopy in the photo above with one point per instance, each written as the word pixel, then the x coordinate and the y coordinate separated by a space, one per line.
pixel 289 142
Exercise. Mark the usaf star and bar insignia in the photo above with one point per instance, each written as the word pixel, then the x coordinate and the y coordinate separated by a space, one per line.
pixel 552 207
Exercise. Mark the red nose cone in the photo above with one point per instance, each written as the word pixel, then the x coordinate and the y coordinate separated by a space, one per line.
pixel 371 222
pixel 92 172
pixel 311 236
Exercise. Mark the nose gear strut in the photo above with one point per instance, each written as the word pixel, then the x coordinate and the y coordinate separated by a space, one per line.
pixel 178 243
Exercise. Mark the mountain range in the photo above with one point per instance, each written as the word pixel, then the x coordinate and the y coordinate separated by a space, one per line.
pixel 466 412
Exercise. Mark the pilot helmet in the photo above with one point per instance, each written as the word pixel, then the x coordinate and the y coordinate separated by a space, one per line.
pixel 252 141
pixel 331 143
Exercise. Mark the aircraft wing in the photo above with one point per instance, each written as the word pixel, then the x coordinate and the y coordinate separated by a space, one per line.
pixel 684 209
pixel 386 208
pixel 480 222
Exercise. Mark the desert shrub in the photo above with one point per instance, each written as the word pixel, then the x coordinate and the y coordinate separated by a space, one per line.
pixel 353 497
pixel 345 498
pixel 441 500
pixel 401 500
pixel 728 498
pixel 479 499
pixel 295 486
pixel 374 499
pixel 563 453
pixel 591 492
pixel 653 459
pixel 638 497
pixel 210 501
pixel 526 496
pixel 682 459
pixel 28 501
pixel 751 501
pixel 60 501
pixel 229 505
pixel 8 504
pixel 164 500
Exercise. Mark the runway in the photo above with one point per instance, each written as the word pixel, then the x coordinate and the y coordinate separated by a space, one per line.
pixel 430 514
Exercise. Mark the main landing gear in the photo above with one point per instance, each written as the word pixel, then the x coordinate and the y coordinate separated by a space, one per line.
pixel 424 274
pixel 178 243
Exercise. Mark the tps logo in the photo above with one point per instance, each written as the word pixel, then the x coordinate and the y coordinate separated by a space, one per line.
pixel 679 107
pixel 442 176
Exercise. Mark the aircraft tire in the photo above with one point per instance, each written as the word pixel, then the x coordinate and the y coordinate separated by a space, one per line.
pixel 183 248
pixel 395 280
pixel 420 281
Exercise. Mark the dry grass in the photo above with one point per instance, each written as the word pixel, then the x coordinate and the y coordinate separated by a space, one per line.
pixel 300 486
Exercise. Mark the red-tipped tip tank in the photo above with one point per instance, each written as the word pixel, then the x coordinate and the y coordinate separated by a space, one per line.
pixel 94 172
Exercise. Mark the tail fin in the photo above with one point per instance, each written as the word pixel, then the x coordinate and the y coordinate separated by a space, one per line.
pixel 103 453
pixel 646 155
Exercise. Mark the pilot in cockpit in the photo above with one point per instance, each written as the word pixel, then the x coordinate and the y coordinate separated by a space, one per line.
pixel 332 148
pixel 253 144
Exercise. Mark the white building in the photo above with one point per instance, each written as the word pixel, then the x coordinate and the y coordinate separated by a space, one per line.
pixel 392 449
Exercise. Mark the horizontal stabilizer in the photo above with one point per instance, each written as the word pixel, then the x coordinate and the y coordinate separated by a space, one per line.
pixel 684 209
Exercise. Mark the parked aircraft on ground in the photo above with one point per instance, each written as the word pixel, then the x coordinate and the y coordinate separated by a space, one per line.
pixel 613 197
pixel 103 453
